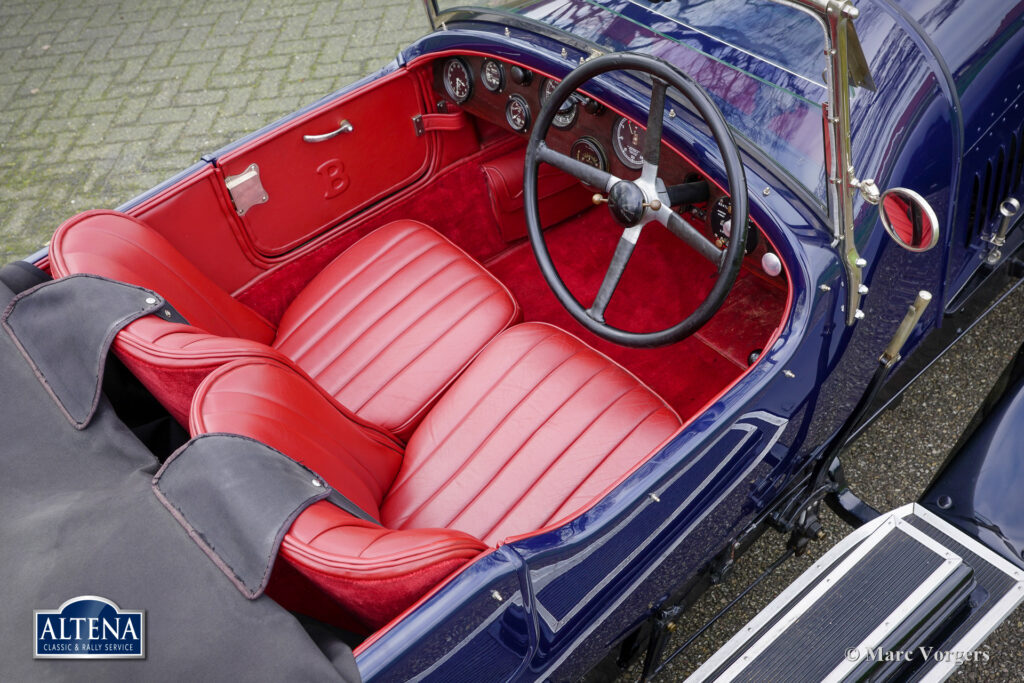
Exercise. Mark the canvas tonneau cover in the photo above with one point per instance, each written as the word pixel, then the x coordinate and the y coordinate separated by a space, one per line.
pixel 78 517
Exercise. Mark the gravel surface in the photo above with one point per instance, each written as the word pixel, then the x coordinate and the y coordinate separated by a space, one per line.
pixel 101 99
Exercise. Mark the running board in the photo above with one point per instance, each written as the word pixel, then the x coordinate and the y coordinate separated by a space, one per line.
pixel 906 596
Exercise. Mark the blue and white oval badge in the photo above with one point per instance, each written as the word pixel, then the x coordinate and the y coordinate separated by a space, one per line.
pixel 89 627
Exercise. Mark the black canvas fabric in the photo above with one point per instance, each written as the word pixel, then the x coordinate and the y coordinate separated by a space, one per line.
pixel 89 308
pixel 78 517
pixel 21 275
pixel 237 498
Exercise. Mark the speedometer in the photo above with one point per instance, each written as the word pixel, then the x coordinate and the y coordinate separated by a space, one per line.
pixel 566 115
pixel 457 81
pixel 628 141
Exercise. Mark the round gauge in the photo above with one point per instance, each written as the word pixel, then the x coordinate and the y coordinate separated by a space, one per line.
pixel 566 115
pixel 517 113
pixel 589 151
pixel 628 142
pixel 457 80
pixel 492 75
pixel 720 224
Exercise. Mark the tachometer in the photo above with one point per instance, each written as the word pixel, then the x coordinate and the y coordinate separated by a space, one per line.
pixel 492 75
pixel 457 80
pixel 589 151
pixel 517 113
pixel 628 142
pixel 566 115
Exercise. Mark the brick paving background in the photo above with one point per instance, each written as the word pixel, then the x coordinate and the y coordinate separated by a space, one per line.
pixel 100 100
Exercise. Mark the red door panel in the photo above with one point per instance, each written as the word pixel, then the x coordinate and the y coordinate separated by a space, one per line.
pixel 311 186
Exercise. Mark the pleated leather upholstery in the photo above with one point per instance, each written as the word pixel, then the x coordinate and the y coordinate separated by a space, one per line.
pixel 385 327
pixel 392 321
pixel 374 572
pixel 535 430
pixel 123 248
pixel 537 427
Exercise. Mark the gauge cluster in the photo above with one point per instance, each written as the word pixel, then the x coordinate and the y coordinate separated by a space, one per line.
pixel 510 96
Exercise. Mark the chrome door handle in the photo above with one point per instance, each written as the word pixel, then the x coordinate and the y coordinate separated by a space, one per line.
pixel 345 127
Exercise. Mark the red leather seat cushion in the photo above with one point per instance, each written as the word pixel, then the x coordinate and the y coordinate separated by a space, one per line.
pixel 169 358
pixel 123 248
pixel 373 572
pixel 389 324
pixel 537 427
pixel 385 327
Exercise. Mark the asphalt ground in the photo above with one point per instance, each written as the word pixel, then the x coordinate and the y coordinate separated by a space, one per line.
pixel 100 100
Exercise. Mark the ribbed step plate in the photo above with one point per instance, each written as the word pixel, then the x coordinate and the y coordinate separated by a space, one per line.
pixel 900 580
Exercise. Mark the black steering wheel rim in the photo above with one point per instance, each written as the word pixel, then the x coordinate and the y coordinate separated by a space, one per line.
pixel 733 256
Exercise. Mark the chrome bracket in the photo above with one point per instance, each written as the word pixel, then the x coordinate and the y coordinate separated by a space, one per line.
pixel 1008 208
pixel 246 190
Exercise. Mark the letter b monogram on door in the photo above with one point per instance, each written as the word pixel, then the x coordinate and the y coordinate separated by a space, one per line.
pixel 335 179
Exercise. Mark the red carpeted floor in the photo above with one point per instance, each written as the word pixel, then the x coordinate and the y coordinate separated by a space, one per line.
pixel 664 281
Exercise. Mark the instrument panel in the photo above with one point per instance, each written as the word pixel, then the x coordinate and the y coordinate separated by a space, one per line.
pixel 510 96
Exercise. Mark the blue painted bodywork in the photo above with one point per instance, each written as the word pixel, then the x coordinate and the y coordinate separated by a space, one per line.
pixel 949 83
pixel 550 606
pixel 979 487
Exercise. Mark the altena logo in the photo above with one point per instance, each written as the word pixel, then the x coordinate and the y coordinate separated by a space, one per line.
pixel 89 627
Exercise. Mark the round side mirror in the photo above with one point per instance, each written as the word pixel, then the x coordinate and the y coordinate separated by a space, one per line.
pixel 909 219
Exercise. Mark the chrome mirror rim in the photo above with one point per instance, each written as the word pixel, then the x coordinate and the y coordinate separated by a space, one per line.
pixel 926 209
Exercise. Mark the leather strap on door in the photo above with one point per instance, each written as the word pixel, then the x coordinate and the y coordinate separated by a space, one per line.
pixel 425 123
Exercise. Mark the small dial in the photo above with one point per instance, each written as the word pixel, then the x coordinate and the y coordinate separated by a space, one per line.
pixel 589 151
pixel 719 219
pixel 566 115
pixel 492 75
pixel 457 80
pixel 628 141
pixel 517 113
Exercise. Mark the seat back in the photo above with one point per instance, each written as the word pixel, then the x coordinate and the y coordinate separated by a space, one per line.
pixel 371 571
pixel 170 359
pixel 123 248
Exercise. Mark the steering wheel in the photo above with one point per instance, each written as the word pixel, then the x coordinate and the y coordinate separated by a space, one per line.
pixel 634 203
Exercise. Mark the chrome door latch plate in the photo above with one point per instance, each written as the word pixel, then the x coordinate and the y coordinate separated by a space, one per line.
pixel 246 189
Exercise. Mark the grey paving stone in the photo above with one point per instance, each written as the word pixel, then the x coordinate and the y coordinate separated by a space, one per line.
pixel 101 99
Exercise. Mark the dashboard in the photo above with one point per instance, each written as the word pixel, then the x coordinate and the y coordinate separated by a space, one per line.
pixel 510 97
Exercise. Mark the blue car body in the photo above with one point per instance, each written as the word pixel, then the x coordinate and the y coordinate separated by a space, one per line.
pixel 945 119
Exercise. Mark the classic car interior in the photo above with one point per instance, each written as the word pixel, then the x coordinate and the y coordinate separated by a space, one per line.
pixel 356 289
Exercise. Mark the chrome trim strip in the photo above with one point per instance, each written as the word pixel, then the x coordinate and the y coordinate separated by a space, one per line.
pixel 516 599
pixel 976 547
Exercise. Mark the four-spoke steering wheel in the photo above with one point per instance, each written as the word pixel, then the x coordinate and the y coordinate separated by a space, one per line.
pixel 634 203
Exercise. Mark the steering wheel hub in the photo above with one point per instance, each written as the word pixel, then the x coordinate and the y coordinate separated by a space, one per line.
pixel 626 202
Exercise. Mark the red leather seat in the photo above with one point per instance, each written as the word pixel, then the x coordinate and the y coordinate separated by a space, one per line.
pixel 537 428
pixel 385 327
